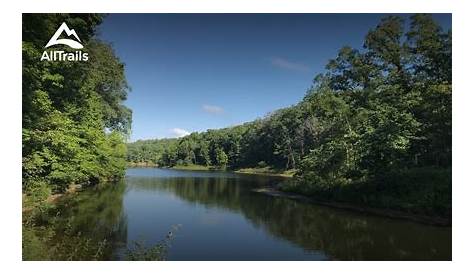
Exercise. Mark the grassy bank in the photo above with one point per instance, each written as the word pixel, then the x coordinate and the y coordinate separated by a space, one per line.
pixel 194 167
pixel 251 170
pixel 421 191
pixel 266 171
pixel 141 164
pixel 257 171
pixel 178 167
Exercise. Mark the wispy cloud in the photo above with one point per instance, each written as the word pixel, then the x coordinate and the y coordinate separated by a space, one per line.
pixel 212 109
pixel 179 132
pixel 289 65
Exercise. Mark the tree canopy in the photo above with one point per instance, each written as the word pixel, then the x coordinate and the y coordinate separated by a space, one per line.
pixel 74 120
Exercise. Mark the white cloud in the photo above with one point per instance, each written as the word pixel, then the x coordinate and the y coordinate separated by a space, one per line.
pixel 179 132
pixel 212 109
pixel 289 65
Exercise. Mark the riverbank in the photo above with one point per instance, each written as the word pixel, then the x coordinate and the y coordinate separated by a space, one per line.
pixel 177 167
pixel 194 167
pixel 59 227
pixel 253 171
pixel 141 164
pixel 267 171
pixel 438 221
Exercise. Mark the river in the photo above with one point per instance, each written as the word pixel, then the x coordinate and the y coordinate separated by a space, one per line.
pixel 219 217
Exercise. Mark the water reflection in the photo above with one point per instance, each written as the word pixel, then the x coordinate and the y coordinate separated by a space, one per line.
pixel 223 219
pixel 97 214
pixel 340 235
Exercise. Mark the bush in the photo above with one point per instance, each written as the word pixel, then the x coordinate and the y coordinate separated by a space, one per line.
pixel 424 191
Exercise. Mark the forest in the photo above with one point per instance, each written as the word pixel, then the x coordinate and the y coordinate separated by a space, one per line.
pixel 74 127
pixel 74 121
pixel 373 129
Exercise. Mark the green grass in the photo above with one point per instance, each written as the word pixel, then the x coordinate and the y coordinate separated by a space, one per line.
pixel 258 171
pixel 193 167
pixel 267 171
pixel 141 164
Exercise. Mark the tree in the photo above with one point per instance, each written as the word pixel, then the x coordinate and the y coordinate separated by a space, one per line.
pixel 382 109
pixel 221 158
pixel 74 120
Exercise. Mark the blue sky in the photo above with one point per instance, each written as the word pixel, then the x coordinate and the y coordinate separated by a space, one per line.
pixel 192 72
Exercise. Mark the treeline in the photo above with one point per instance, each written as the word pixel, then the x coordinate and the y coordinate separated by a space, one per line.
pixel 219 148
pixel 74 120
pixel 377 113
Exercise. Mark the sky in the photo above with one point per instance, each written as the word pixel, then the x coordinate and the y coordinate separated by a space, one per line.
pixel 193 72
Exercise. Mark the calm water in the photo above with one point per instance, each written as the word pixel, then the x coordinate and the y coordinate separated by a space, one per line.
pixel 220 218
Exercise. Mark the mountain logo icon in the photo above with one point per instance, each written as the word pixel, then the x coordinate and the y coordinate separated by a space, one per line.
pixel 68 42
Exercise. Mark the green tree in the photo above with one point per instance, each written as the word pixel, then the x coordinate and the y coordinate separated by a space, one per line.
pixel 74 120
pixel 222 158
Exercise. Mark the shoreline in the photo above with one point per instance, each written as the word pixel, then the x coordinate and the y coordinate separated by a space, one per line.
pixel 263 174
pixel 389 213
pixel 266 172
pixel 249 171
pixel 274 192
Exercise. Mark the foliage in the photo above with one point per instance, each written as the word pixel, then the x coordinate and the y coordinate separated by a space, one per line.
pixel 386 119
pixel 157 252
pixel 381 110
pixel 74 122
pixel 74 127
pixel 424 191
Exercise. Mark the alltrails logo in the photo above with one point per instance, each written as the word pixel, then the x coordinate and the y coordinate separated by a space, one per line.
pixel 61 55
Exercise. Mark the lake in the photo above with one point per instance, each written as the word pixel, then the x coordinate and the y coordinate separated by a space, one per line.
pixel 219 217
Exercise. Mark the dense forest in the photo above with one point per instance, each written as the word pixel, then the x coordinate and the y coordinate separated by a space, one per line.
pixel 74 127
pixel 374 128
pixel 74 120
